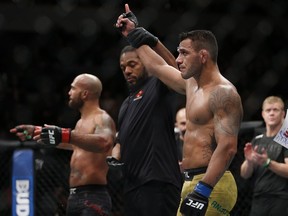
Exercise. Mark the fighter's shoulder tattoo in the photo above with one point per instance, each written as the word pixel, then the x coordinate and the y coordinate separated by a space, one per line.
pixel 104 122
pixel 225 103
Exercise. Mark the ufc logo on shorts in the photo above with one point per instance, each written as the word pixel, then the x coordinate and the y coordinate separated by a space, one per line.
pixel 51 136
pixel 186 175
pixel 196 205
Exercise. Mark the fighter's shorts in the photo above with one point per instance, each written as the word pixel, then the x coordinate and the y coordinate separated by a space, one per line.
pixel 89 200
pixel 223 196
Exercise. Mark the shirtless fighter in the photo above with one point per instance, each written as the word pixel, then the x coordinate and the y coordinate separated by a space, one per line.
pixel 91 141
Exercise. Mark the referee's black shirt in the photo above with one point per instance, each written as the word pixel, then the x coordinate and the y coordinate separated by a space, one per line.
pixel 146 136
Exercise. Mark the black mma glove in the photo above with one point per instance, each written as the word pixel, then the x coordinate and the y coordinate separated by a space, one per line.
pixel 54 135
pixel 196 203
pixel 113 163
pixel 140 36
pixel 131 17
pixel 115 168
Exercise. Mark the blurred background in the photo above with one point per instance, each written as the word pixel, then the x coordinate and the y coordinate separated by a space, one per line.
pixel 44 44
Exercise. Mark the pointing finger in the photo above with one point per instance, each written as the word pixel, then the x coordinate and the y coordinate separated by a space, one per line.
pixel 127 9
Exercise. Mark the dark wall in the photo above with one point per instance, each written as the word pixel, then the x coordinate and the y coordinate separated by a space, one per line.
pixel 45 44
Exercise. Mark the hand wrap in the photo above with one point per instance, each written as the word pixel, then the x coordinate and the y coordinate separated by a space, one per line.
pixel 196 203
pixel 55 135
pixel 140 36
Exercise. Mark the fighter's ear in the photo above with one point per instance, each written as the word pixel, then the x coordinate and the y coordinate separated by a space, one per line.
pixel 203 55
pixel 84 94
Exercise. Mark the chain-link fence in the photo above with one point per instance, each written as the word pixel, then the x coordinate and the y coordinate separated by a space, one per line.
pixel 51 175
pixel 51 168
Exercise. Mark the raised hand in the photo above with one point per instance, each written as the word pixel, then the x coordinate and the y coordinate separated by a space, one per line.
pixel 127 21
pixel 248 152
pixel 260 156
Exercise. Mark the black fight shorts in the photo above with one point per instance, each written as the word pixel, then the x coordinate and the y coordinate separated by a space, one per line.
pixel 89 200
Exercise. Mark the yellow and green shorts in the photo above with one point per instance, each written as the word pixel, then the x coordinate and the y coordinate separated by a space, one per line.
pixel 222 198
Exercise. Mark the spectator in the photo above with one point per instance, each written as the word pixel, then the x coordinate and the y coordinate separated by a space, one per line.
pixel 266 163
pixel 180 129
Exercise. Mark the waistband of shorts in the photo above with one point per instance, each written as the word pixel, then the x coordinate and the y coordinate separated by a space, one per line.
pixel 190 173
pixel 83 188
